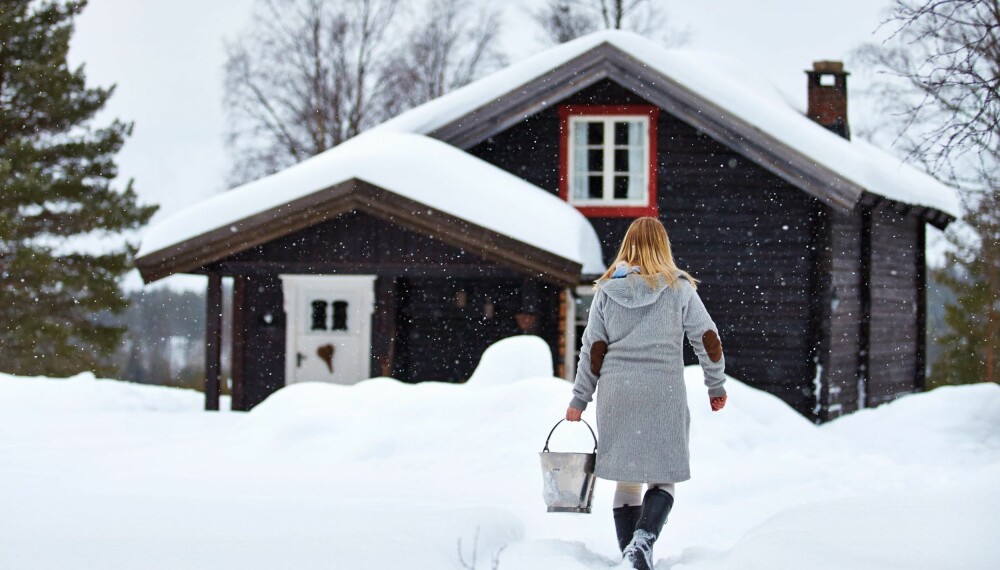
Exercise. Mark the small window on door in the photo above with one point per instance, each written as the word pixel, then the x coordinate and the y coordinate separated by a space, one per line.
pixel 339 316
pixel 318 316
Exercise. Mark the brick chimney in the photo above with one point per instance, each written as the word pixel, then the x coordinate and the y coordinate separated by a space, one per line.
pixel 828 96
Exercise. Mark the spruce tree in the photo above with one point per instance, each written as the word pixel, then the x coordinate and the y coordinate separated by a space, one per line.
pixel 56 173
pixel 971 343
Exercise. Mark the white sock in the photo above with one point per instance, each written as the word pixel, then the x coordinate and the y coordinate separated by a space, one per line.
pixel 627 493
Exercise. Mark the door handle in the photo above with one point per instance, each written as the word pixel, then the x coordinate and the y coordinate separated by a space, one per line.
pixel 299 357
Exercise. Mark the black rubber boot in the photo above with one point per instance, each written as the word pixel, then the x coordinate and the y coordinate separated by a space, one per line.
pixel 625 520
pixel 656 506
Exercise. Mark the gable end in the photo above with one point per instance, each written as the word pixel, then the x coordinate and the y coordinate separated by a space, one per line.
pixel 608 62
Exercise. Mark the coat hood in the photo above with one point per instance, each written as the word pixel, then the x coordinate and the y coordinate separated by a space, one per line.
pixel 633 291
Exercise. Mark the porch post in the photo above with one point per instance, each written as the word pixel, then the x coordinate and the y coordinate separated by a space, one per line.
pixel 921 372
pixel 213 340
pixel 240 285
pixel 865 323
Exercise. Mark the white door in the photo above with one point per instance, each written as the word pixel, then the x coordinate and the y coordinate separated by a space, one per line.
pixel 328 338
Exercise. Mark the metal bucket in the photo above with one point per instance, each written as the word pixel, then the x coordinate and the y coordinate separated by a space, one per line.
pixel 568 478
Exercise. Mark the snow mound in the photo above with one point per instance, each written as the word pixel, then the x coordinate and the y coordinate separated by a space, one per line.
pixel 930 424
pixel 878 532
pixel 513 359
pixel 85 393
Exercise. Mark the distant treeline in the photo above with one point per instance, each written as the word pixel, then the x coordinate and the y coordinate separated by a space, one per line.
pixel 165 338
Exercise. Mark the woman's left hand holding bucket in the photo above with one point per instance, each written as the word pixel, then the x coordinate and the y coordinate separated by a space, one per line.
pixel 573 414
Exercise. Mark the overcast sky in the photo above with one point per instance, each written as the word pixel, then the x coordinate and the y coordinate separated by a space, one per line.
pixel 166 58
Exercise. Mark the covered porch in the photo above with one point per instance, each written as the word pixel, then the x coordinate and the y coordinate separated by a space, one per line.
pixel 403 284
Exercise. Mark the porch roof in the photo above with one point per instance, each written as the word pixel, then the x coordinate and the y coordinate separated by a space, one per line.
pixel 408 179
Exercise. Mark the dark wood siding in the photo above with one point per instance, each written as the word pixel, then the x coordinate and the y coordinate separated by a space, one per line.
pixel 844 360
pixel 419 332
pixel 781 274
pixel 894 322
pixel 263 339
pixel 741 230
pixel 440 340
pixel 355 243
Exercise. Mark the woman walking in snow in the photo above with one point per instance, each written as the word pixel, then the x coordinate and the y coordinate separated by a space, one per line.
pixel 633 343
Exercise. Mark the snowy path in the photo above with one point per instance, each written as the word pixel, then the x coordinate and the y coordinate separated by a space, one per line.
pixel 101 474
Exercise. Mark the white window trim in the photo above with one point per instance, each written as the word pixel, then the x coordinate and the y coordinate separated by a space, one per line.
pixel 608 173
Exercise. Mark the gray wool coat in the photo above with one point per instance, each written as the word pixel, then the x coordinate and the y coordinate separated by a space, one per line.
pixel 642 412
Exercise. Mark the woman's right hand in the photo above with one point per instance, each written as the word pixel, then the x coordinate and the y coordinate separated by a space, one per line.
pixel 717 403
pixel 573 414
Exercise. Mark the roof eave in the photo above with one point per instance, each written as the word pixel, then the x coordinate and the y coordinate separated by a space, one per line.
pixel 193 254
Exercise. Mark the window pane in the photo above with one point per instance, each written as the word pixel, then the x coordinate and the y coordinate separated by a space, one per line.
pixel 318 316
pixel 622 133
pixel 622 159
pixel 637 173
pixel 595 185
pixel 579 146
pixel 595 160
pixel 339 316
pixel 621 187
pixel 579 190
pixel 637 189
pixel 595 133
pixel 636 133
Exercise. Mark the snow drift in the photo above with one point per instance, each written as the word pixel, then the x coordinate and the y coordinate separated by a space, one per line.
pixel 383 474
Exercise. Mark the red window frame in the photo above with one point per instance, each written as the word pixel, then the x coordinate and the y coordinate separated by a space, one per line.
pixel 567 111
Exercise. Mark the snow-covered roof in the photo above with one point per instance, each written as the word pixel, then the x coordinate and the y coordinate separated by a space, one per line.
pixel 727 83
pixel 416 167
pixel 399 156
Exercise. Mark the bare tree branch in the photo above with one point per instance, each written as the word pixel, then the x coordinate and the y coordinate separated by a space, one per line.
pixel 564 20
pixel 450 45
pixel 310 74
pixel 941 78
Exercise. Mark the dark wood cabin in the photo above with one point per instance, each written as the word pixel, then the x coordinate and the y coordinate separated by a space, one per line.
pixel 817 283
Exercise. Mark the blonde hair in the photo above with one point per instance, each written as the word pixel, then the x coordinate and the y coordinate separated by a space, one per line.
pixel 646 244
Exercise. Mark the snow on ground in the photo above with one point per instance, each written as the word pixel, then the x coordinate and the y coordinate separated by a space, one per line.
pixel 105 474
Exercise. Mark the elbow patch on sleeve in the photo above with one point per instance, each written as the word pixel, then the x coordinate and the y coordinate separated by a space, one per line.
pixel 597 352
pixel 713 346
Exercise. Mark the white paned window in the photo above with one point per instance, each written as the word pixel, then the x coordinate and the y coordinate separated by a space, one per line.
pixel 609 160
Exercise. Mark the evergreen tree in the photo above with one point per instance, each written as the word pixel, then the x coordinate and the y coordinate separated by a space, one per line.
pixel 56 170
pixel 971 343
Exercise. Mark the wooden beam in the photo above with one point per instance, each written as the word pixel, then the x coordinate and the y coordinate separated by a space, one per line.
pixel 347 268
pixel 191 254
pixel 865 323
pixel 463 234
pixel 239 341
pixel 921 284
pixel 820 287
pixel 216 245
pixel 213 341
pixel 384 327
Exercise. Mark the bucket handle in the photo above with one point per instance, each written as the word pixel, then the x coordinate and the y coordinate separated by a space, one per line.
pixel 546 450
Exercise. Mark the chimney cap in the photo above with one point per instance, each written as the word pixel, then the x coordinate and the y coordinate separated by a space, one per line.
pixel 827 66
